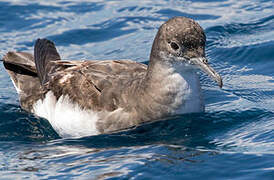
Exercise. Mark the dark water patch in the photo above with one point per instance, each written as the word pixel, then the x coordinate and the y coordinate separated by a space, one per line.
pixel 17 125
pixel 216 95
pixel 169 13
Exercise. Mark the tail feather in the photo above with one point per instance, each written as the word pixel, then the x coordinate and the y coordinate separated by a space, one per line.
pixel 28 73
pixel 20 62
pixel 22 71
pixel 44 52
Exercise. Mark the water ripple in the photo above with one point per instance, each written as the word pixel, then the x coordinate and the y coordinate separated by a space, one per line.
pixel 241 34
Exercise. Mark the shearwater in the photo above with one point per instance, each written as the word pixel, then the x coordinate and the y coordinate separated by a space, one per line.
pixel 82 98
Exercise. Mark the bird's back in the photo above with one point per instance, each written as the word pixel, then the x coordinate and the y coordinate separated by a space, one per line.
pixel 95 84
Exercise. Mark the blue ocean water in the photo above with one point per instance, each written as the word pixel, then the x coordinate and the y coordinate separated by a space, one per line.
pixel 233 139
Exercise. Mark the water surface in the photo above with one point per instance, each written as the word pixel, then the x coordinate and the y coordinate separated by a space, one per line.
pixel 233 139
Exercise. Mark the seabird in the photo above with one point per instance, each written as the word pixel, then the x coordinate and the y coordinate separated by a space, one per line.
pixel 83 98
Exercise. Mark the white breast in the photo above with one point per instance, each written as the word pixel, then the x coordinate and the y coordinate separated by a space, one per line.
pixel 190 94
pixel 68 119
pixel 185 83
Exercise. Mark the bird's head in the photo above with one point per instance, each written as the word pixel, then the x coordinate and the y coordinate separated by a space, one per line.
pixel 182 40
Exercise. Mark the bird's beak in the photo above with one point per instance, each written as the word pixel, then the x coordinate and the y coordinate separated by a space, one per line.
pixel 202 62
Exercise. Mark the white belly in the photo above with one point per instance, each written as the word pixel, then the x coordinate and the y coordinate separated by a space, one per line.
pixel 68 119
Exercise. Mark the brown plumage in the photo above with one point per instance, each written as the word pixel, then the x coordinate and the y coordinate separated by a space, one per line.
pixel 123 93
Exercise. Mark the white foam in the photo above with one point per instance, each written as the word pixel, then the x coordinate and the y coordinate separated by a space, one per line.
pixel 68 119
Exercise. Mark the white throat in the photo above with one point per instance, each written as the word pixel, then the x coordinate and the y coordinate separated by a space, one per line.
pixel 182 80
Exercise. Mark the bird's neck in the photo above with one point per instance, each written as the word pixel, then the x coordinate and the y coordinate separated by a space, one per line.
pixel 171 88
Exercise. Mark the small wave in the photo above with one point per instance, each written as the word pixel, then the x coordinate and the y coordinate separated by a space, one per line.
pixel 241 34
pixel 169 13
pixel 255 137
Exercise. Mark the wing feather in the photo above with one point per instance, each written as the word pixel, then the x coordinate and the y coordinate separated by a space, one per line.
pixel 94 84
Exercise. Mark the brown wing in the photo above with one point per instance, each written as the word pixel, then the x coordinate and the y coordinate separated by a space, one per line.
pixel 93 84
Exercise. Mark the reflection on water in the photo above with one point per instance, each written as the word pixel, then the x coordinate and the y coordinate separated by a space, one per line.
pixel 97 161
pixel 131 162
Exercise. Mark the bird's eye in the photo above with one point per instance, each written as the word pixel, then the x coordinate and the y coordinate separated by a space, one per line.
pixel 174 46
